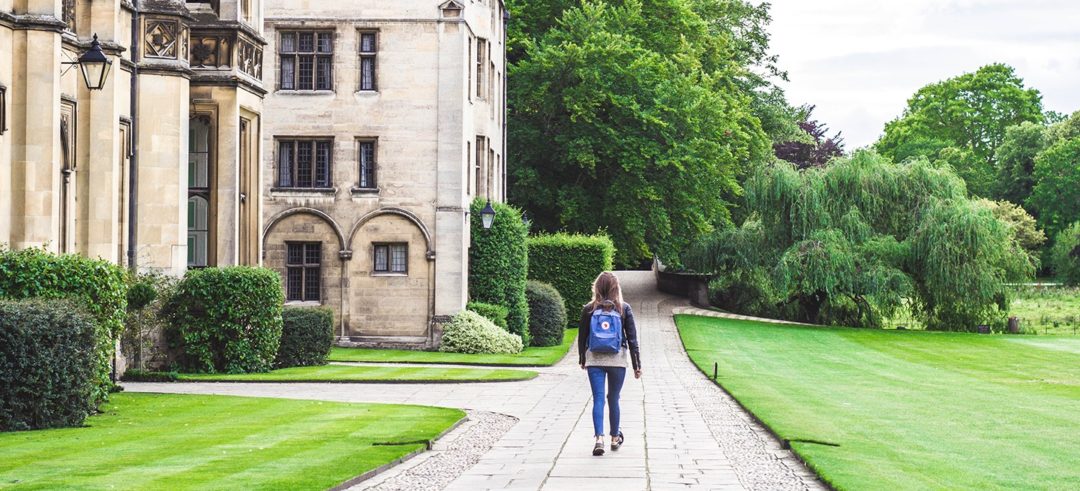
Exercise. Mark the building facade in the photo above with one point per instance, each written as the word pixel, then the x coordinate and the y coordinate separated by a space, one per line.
pixel 384 121
pixel 170 143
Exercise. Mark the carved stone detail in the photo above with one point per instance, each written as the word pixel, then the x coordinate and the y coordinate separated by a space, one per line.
pixel 162 38
pixel 250 59
pixel 211 51
pixel 69 14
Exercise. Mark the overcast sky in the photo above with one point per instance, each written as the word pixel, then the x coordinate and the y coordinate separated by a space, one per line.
pixel 860 60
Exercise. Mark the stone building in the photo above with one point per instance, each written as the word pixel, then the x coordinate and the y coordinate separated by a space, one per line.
pixel 170 142
pixel 385 119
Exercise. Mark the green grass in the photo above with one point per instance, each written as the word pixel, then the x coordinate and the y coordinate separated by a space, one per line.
pixel 179 442
pixel 1047 309
pixel 530 357
pixel 908 409
pixel 343 373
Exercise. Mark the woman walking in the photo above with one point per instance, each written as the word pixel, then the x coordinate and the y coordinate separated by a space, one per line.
pixel 606 336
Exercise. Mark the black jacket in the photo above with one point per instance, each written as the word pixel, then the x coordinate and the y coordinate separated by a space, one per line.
pixel 630 337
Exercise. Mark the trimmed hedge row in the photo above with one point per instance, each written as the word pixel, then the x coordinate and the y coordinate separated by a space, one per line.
pixel 494 313
pixel 307 335
pixel 570 263
pixel 469 332
pixel 1065 255
pixel 47 364
pixel 547 314
pixel 95 285
pixel 499 264
pixel 227 319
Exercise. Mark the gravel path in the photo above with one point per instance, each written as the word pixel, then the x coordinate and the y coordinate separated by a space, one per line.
pixel 683 431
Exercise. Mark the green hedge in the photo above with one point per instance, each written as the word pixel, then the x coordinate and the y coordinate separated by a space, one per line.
pixel 570 263
pixel 307 335
pixel 97 286
pixel 469 332
pixel 499 264
pixel 140 375
pixel 493 313
pixel 1065 255
pixel 547 314
pixel 227 319
pixel 47 364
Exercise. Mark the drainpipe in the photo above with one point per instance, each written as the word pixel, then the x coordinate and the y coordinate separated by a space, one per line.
pixel 505 77
pixel 133 181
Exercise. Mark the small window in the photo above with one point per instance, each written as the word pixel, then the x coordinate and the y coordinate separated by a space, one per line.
pixel 391 258
pixel 481 63
pixel 199 153
pixel 304 163
pixel 3 109
pixel 198 239
pixel 367 164
pixel 369 48
pixel 478 166
pixel 307 60
pixel 303 266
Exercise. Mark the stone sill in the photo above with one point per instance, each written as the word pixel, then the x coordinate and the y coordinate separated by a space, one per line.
pixel 390 275
pixel 366 192
pixel 306 303
pixel 304 92
pixel 303 192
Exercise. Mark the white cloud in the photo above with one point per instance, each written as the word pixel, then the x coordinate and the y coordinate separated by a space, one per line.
pixel 859 60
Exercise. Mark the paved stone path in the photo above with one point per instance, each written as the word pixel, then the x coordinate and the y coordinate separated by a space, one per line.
pixel 682 431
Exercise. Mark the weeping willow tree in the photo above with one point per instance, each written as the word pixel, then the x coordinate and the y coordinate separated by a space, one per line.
pixel 852 243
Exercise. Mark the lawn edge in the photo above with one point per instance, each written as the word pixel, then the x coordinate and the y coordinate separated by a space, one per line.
pixel 468 363
pixel 404 458
pixel 784 442
pixel 306 381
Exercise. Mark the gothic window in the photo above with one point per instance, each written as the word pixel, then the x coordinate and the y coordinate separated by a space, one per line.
pixel 199 169
pixel 391 258
pixel 367 164
pixel 304 163
pixel 307 60
pixel 369 48
pixel 303 271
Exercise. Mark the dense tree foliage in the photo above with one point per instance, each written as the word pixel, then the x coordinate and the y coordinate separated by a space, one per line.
pixel 853 242
pixel 1025 231
pixel 962 121
pixel 1065 255
pixel 817 149
pixel 639 117
pixel 1015 160
pixel 1056 195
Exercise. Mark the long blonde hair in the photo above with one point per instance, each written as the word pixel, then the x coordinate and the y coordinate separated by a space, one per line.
pixel 606 290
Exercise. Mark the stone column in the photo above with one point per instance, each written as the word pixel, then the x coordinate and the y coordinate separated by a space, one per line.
pixel 451 234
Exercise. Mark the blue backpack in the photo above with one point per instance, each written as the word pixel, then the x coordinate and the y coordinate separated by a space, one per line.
pixel 605 331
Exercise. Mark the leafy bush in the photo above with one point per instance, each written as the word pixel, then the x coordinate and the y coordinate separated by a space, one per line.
pixel 469 332
pixel 494 313
pixel 499 264
pixel 140 375
pixel 227 319
pixel 547 314
pixel 570 263
pixel 307 335
pixel 48 368
pixel 144 324
pixel 95 285
pixel 1065 255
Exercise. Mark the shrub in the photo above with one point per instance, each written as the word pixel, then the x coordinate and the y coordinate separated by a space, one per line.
pixel 227 319
pixel 144 324
pixel 547 314
pixel 494 313
pixel 469 332
pixel 95 285
pixel 499 264
pixel 139 375
pixel 570 263
pixel 48 368
pixel 307 334
pixel 1065 255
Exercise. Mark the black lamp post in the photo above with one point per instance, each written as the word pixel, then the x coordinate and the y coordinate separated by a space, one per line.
pixel 94 66
pixel 487 216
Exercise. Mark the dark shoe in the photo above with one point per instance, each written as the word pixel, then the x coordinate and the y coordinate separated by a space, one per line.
pixel 617 441
pixel 598 450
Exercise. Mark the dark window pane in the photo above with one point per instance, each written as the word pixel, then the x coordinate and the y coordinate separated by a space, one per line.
pixel 307 42
pixel 381 259
pixel 288 72
pixel 312 254
pixel 367 43
pixel 288 42
pixel 306 72
pixel 322 164
pixel 398 258
pixel 367 73
pixel 367 164
pixel 303 165
pixel 285 160
pixel 296 254
pixel 294 284
pixel 326 42
pixel 324 80
pixel 311 284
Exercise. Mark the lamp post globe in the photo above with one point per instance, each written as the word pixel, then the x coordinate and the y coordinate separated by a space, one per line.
pixel 94 66
pixel 487 216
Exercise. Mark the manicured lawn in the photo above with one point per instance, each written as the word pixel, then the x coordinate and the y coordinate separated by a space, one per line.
pixel 178 442
pixel 906 409
pixel 343 373
pixel 530 357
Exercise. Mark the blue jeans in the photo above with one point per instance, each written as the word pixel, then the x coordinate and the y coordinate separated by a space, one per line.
pixel 615 377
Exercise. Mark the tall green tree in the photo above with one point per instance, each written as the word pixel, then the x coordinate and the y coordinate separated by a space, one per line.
pixel 1015 159
pixel 1056 195
pixel 963 121
pixel 619 126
